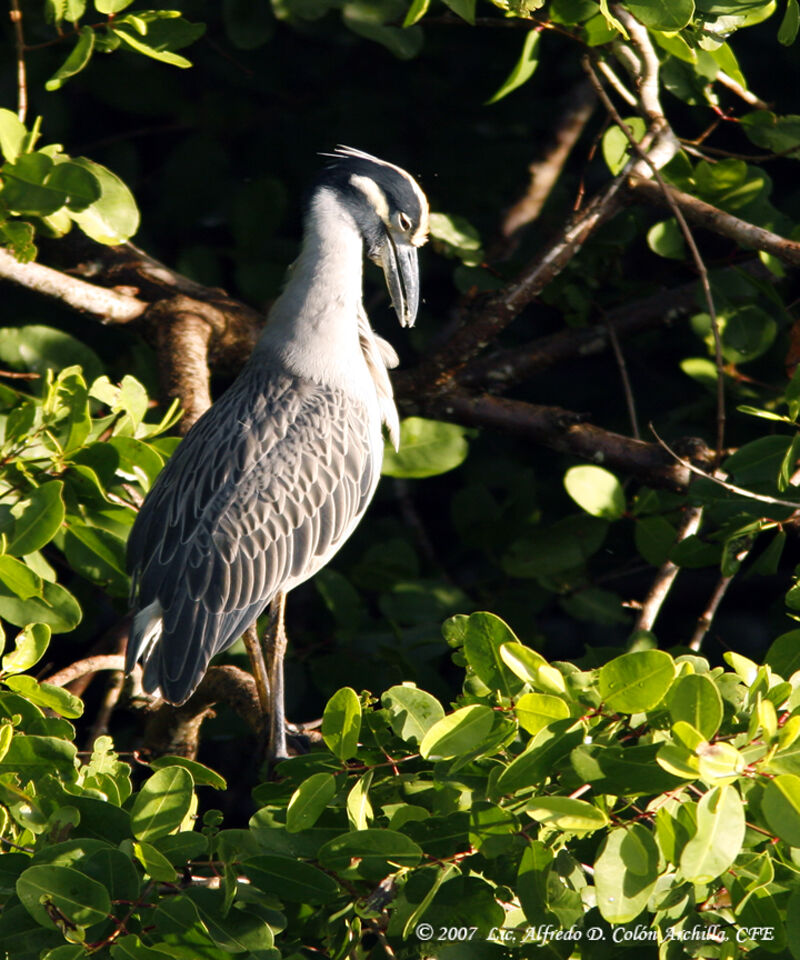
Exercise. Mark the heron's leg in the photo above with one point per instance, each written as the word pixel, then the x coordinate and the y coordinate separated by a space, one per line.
pixel 256 654
pixel 276 649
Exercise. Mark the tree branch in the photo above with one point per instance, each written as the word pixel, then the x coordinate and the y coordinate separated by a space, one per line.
pixel 717 221
pixel 545 172
pixel 567 432
pixel 85 297
pixel 666 575
pixel 176 730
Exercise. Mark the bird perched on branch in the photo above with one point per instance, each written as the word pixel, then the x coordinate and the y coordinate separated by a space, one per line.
pixel 275 476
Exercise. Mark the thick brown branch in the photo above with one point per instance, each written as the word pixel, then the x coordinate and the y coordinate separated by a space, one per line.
pixel 567 432
pixel 504 368
pixel 711 218
pixel 183 328
pixel 82 296
pixel 175 730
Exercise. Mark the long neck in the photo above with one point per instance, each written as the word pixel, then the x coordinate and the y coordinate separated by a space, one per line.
pixel 313 325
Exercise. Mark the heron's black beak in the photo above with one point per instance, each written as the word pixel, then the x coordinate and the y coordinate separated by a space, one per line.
pixel 401 270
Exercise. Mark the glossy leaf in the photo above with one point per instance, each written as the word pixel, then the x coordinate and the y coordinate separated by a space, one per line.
pixel 524 68
pixel 412 711
pixel 162 803
pixel 596 490
pixel 290 879
pixel 427 448
pixel 341 723
pixel 80 899
pixel 625 873
pixel 719 836
pixel 696 699
pixel 636 681
pixel 309 801
pixel 29 647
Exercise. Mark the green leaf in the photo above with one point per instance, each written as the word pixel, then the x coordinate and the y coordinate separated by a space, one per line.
pixel 341 723
pixel 416 12
pixel 30 645
pixel 459 732
pixel 523 69
pixel 374 20
pixel 359 809
pixel 37 518
pixel 427 448
pixel 111 6
pixel 780 805
pixel 787 32
pixel 113 217
pixel 130 947
pixel 56 607
pixel 412 712
pixel 309 801
pixel 47 695
pixel 567 814
pixel 669 15
pixel 696 700
pixel 162 803
pixel 163 36
pixel 19 579
pixel 38 348
pixel 666 239
pixel 97 555
pixel 76 61
pixel 747 334
pixel 616 147
pixel 625 873
pixel 462 8
pixel 484 637
pixel 537 762
pixel 154 862
pixel 32 756
pixel 565 545
pixel 290 879
pixel 636 681
pixel 376 846
pixel 596 490
pixel 536 710
pixel 201 774
pixel 719 837
pixel 80 899
pixel 12 134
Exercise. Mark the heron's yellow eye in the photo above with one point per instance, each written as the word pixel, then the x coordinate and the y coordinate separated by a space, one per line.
pixel 404 221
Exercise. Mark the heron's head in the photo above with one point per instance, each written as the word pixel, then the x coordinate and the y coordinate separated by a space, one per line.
pixel 391 211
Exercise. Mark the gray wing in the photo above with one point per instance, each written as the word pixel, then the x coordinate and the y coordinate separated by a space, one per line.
pixel 260 494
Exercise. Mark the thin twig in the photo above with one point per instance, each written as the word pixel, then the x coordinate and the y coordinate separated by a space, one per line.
pixel 735 87
pixel 116 683
pixel 626 383
pixel 616 84
pixel 704 621
pixel 730 487
pixel 15 15
pixel 110 661
pixel 687 233
pixel 666 575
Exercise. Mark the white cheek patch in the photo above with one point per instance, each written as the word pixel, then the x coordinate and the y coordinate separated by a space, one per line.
pixel 374 194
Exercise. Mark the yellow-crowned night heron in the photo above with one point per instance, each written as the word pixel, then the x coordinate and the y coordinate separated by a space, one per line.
pixel 272 480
